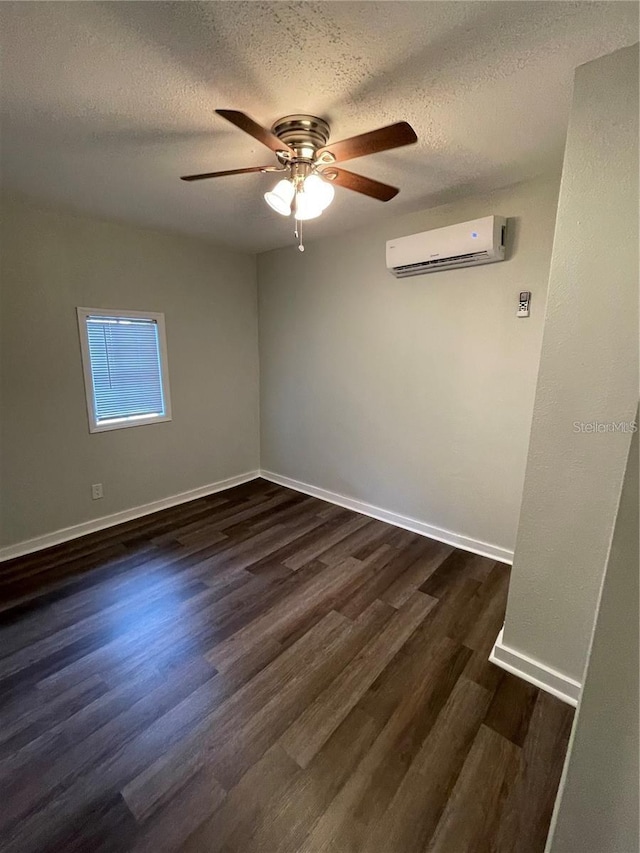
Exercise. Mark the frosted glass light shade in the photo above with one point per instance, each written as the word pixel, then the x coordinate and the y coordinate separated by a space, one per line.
pixel 280 197
pixel 306 207
pixel 319 191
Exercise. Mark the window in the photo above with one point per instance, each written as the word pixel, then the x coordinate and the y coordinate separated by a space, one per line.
pixel 124 356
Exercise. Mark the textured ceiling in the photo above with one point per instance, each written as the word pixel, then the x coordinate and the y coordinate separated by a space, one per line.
pixel 104 105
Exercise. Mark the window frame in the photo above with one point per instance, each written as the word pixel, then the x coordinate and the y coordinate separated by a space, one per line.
pixel 143 420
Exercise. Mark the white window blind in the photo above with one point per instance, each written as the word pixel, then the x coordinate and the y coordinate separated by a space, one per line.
pixel 124 355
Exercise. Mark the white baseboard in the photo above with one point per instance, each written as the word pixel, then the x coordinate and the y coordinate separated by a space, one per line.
pixel 57 537
pixel 494 552
pixel 535 672
pixel 67 533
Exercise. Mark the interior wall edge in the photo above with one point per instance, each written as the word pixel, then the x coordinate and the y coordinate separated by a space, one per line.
pixel 535 671
pixel 57 537
pixel 423 528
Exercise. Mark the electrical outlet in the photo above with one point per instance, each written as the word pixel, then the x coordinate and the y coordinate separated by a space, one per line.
pixel 96 491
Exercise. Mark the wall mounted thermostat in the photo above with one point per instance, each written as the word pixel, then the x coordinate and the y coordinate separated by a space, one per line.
pixel 523 303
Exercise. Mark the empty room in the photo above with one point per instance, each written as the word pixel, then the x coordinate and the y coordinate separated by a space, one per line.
pixel 318 427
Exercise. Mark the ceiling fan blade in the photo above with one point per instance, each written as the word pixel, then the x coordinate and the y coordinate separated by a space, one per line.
pixel 383 139
pixel 230 172
pixel 360 184
pixel 256 130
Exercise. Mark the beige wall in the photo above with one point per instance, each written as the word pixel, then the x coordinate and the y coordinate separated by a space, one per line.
pixel 588 373
pixel 53 261
pixel 597 808
pixel 412 395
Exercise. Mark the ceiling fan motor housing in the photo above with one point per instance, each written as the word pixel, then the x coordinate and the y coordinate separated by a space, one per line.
pixel 304 133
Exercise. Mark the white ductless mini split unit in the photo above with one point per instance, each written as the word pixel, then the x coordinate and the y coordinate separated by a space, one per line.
pixel 480 241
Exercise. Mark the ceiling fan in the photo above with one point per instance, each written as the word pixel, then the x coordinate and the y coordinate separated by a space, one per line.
pixel 307 162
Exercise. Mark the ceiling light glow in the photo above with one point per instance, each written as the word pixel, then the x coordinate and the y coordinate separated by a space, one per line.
pixel 306 207
pixel 319 190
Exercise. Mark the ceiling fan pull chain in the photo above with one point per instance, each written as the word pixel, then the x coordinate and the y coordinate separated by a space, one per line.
pixel 298 233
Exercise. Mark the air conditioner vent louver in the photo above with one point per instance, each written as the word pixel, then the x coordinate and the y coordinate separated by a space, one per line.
pixel 438 262
pixel 468 244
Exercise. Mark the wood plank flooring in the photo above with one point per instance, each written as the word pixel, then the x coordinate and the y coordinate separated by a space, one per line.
pixel 262 672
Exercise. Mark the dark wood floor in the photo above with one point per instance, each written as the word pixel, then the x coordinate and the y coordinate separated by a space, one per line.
pixel 262 672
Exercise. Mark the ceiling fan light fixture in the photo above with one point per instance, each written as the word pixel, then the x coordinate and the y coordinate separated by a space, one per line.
pixel 300 144
pixel 280 197
pixel 319 190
